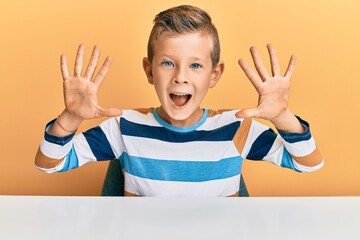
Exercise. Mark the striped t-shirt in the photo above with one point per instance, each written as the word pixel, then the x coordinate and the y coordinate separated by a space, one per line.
pixel 159 159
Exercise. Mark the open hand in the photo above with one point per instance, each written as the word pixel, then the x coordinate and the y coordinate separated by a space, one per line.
pixel 273 89
pixel 80 90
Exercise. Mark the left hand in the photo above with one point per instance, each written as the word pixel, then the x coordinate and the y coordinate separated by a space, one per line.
pixel 273 89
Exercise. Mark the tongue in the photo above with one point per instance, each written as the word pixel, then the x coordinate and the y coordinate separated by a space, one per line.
pixel 180 100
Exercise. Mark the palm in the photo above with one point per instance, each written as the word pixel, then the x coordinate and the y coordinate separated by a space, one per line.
pixel 80 92
pixel 273 90
pixel 80 97
pixel 273 97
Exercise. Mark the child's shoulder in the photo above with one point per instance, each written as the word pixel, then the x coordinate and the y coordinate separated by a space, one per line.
pixel 148 116
pixel 220 118
pixel 138 114
pixel 222 112
pixel 211 112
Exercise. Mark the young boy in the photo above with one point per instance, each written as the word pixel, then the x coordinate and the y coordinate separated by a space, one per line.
pixel 179 148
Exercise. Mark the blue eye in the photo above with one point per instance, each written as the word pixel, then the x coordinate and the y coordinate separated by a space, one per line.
pixel 167 64
pixel 195 66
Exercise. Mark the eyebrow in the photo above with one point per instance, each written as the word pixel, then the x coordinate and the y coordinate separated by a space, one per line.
pixel 171 57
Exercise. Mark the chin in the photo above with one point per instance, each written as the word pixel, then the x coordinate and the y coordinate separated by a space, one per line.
pixel 179 114
pixel 182 117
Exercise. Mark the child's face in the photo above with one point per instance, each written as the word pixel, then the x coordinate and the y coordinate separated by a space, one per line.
pixel 181 72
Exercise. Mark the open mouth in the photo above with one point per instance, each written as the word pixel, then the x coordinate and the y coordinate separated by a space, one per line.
pixel 180 99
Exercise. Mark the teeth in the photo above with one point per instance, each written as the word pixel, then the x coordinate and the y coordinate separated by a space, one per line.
pixel 180 94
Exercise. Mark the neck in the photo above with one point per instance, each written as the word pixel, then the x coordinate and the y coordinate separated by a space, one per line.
pixel 191 120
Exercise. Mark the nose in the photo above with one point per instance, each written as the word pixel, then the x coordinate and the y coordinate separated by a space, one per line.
pixel 180 76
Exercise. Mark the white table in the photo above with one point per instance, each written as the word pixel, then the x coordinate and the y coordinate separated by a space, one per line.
pixel 40 217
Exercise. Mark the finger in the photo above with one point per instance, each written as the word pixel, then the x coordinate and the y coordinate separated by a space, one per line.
pixel 291 67
pixel 275 67
pixel 64 67
pixel 79 60
pixel 103 71
pixel 252 76
pixel 93 62
pixel 247 113
pixel 259 64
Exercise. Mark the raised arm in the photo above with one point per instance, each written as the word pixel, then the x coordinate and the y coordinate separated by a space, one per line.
pixel 80 93
pixel 274 92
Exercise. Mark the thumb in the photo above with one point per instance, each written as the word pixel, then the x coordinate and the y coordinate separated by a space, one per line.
pixel 247 113
pixel 112 112
pixel 108 112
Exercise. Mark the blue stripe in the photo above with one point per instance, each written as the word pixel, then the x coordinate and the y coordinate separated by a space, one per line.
pixel 297 137
pixel 225 133
pixel 262 145
pixel 287 161
pixel 183 171
pixel 54 139
pixel 72 161
pixel 99 144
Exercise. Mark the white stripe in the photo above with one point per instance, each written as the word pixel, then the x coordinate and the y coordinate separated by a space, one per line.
pixel 53 150
pixel 211 123
pixel 47 170
pixel 83 151
pixel 198 150
pixel 140 118
pixel 219 120
pixel 153 188
pixel 54 169
pixel 111 130
pixel 303 168
pixel 255 130
pixel 276 151
pixel 56 151
pixel 301 149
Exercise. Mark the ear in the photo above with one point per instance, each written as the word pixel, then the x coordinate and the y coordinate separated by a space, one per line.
pixel 148 69
pixel 216 74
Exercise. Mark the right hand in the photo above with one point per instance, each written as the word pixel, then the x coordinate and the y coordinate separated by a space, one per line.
pixel 80 91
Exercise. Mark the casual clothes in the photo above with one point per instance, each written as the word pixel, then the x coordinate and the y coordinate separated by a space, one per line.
pixel 159 159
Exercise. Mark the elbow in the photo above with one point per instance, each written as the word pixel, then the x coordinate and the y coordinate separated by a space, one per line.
pixel 304 168
pixel 309 163
pixel 46 164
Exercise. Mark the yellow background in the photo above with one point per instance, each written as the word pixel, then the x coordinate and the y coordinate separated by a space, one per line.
pixel 324 34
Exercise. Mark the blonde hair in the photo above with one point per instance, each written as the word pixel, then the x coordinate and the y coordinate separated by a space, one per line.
pixel 181 20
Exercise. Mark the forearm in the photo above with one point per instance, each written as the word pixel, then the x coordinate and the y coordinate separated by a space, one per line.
pixel 294 150
pixel 52 153
pixel 53 150
pixel 300 144
pixel 59 154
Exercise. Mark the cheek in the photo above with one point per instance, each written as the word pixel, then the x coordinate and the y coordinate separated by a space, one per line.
pixel 161 75
pixel 202 89
pixel 204 82
pixel 160 87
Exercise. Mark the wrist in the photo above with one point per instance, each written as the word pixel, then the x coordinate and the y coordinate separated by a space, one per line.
pixel 287 122
pixel 65 124
pixel 68 121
